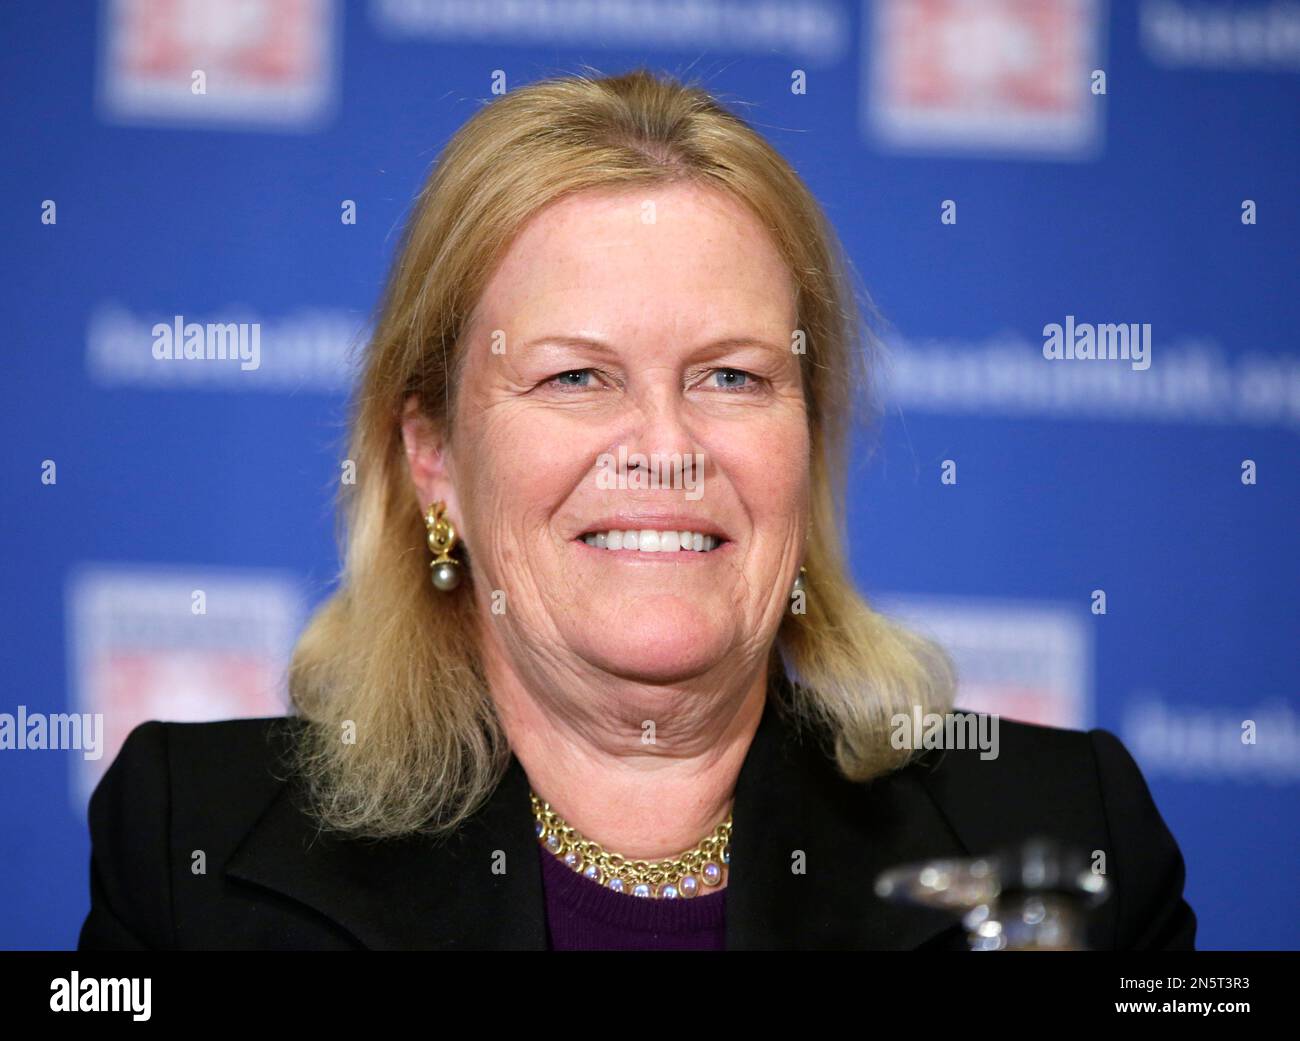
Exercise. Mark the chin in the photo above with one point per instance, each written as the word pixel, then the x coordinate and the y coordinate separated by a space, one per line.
pixel 659 642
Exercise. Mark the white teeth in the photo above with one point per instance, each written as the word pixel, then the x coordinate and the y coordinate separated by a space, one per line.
pixel 652 541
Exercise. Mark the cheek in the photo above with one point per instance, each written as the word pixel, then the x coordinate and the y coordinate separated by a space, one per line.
pixel 767 465
pixel 520 472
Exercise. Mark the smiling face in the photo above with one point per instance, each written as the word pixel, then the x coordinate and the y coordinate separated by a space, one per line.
pixel 637 326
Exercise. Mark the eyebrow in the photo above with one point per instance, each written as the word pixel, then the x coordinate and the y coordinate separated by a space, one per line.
pixel 592 343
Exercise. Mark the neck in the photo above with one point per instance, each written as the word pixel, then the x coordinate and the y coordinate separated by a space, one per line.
pixel 590 756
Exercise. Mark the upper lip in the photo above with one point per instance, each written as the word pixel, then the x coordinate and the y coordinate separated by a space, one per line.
pixel 654 522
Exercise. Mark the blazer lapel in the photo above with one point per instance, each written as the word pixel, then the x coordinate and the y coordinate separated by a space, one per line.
pixel 414 893
pixel 807 846
pixel 792 811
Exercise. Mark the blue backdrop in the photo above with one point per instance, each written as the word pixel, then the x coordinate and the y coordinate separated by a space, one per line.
pixel 1118 548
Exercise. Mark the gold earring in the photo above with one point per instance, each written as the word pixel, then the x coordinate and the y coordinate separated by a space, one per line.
pixel 445 572
pixel 799 583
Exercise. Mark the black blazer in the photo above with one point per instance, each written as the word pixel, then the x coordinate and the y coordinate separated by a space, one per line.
pixel 272 881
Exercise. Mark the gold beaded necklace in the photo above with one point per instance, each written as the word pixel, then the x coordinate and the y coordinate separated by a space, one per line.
pixel 680 876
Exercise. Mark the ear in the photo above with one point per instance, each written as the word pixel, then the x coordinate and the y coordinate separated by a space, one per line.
pixel 427 458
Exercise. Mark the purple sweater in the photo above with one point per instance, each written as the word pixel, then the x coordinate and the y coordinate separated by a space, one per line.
pixel 582 915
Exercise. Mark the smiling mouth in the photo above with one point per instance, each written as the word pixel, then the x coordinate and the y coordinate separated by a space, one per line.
pixel 649 540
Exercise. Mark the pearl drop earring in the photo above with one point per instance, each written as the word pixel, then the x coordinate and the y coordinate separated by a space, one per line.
pixel 445 572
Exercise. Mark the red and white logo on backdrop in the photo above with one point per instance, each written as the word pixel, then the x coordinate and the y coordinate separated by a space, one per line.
pixel 1023 661
pixel 176 645
pixel 203 62
pixel 984 75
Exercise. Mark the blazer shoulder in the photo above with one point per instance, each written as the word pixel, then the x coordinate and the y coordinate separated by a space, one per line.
pixel 1152 912
pixel 1079 787
pixel 173 789
pixel 1004 756
pixel 248 753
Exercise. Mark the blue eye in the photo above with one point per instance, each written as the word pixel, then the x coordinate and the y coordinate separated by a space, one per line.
pixel 573 378
pixel 732 379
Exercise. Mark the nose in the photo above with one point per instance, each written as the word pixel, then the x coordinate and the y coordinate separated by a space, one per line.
pixel 660 428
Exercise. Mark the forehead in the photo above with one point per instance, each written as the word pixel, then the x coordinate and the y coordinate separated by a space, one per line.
pixel 678 256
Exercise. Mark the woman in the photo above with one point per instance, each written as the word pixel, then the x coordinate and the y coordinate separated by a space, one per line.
pixel 594 610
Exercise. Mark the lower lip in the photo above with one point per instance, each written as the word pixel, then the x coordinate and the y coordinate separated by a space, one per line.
pixel 631 556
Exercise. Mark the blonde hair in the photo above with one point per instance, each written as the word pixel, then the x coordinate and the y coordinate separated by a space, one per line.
pixel 396 660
